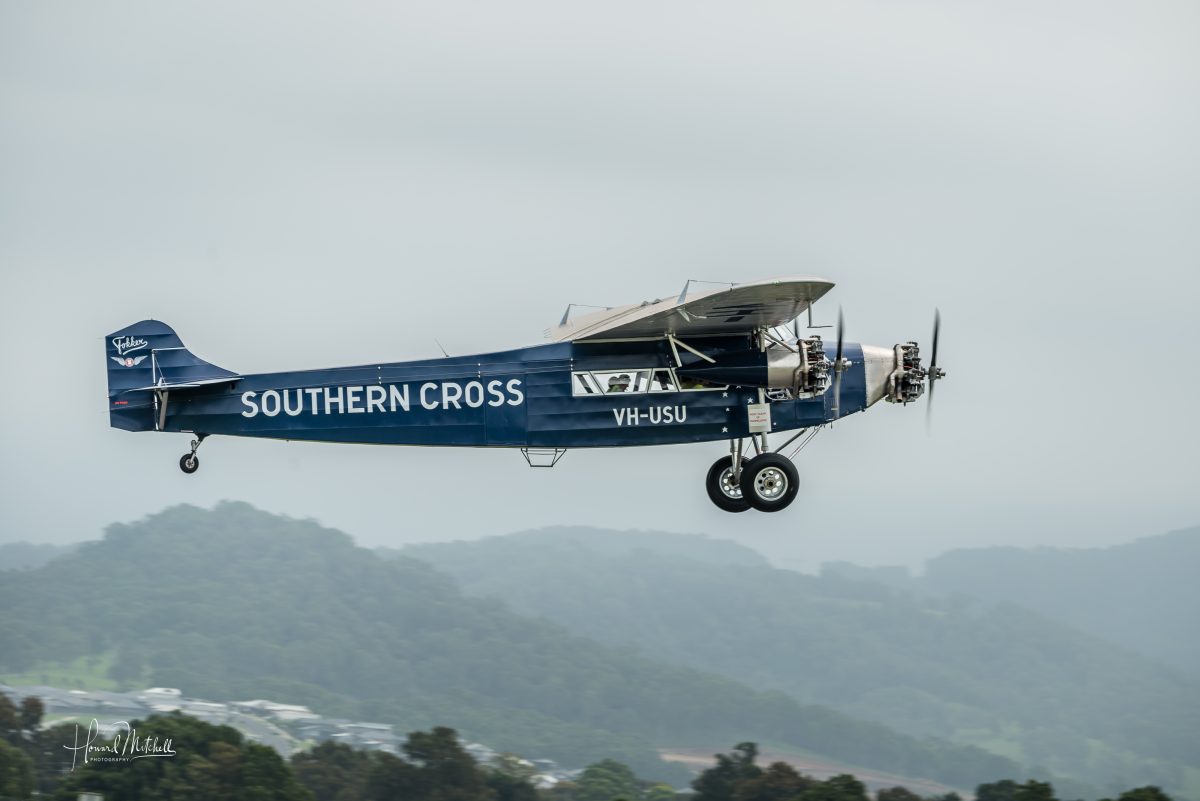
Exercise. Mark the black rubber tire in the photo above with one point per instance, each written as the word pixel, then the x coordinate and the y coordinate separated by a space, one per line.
pixel 713 485
pixel 189 463
pixel 767 496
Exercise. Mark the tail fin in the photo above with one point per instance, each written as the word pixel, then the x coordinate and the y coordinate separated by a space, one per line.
pixel 143 356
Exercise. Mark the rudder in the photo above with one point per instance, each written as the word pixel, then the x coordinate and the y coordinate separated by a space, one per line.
pixel 142 356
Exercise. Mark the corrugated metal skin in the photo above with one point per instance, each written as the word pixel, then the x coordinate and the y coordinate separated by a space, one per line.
pixel 526 400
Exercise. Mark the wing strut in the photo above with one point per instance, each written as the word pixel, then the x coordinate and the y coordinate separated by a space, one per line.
pixel 162 408
pixel 678 363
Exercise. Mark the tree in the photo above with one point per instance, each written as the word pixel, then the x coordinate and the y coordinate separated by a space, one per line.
pixel 896 794
pixel 392 777
pixel 660 792
pixel 1003 790
pixel 1034 790
pixel 1149 793
pixel 445 771
pixel 32 709
pixel 510 788
pixel 779 782
pixel 332 771
pixel 842 787
pixel 10 720
pixel 16 772
pixel 719 783
pixel 606 781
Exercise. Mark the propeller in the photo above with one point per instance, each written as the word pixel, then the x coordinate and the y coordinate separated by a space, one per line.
pixel 839 366
pixel 933 372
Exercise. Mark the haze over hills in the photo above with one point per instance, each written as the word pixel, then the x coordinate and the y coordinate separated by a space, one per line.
pixel 1143 594
pixel 28 555
pixel 1000 677
pixel 235 603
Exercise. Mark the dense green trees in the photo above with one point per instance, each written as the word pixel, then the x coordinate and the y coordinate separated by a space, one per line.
pixel 16 772
pixel 209 763
pixel 736 777
pixel 434 768
pixel 215 763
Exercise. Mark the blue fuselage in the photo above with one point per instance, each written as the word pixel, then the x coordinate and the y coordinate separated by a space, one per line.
pixel 529 397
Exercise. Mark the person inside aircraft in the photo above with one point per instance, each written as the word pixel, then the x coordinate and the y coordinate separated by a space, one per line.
pixel 619 383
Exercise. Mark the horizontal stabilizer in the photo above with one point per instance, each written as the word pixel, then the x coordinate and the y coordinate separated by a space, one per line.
pixel 165 386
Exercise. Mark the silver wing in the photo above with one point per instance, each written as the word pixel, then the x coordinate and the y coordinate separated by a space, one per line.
pixel 736 309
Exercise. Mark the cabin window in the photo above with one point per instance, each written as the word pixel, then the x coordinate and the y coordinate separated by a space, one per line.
pixel 663 381
pixel 584 384
pixel 620 382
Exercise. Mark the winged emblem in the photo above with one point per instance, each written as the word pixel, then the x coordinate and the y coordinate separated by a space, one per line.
pixel 129 361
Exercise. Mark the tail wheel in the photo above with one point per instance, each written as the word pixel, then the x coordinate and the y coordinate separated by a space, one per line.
pixel 722 489
pixel 770 482
pixel 189 463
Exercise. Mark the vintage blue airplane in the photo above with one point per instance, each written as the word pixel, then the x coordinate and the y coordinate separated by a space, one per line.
pixel 707 365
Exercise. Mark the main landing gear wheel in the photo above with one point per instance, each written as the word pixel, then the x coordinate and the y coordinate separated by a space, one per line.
pixel 722 489
pixel 769 482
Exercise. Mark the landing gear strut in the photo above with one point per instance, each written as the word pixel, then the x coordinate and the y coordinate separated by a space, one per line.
pixel 189 462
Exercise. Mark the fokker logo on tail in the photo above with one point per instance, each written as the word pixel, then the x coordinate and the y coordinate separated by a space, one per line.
pixel 129 361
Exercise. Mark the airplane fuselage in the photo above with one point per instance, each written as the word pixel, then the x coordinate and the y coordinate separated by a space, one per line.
pixel 561 395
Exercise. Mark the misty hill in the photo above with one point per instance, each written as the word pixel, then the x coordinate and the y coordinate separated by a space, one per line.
pixel 996 676
pixel 28 555
pixel 1144 594
pixel 235 603
pixel 572 540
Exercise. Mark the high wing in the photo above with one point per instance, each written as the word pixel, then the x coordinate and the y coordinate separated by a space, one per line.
pixel 735 309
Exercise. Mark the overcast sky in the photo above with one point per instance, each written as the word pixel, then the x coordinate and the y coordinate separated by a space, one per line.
pixel 299 185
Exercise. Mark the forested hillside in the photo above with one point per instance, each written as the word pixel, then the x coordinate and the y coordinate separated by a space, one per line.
pixel 1144 594
pixel 999 677
pixel 235 603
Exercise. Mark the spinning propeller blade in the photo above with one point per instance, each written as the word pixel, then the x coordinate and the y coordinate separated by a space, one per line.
pixel 934 373
pixel 838 367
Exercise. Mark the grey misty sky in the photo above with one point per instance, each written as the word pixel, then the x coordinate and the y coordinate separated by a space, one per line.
pixel 306 185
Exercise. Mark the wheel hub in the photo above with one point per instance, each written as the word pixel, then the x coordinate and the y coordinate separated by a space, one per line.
pixel 729 487
pixel 771 483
